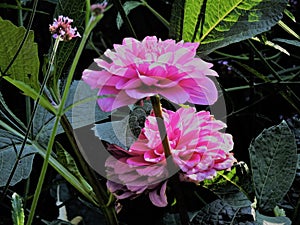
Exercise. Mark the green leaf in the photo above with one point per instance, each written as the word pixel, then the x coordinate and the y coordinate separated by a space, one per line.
pixel 237 179
pixel 69 163
pixel 9 148
pixel 7 115
pixel 116 132
pixel 27 90
pixel 66 174
pixel 287 41
pixel 273 157
pixel 229 22
pixel 128 6
pixel 25 68
pixel 220 212
pixel 176 20
pixel 43 122
pixel 267 220
pixel 81 110
pixel 17 210
pixel 81 105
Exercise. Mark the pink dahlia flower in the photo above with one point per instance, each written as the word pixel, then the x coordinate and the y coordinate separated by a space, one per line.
pixel 62 29
pixel 198 148
pixel 135 70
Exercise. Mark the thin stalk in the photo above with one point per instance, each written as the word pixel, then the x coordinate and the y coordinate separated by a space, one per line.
pixel 174 180
pixel 87 12
pixel 161 125
pixel 101 194
pixel 43 172
pixel 289 91
pixel 158 16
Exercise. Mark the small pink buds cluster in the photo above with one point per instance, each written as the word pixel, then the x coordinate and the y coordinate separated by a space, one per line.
pixel 62 29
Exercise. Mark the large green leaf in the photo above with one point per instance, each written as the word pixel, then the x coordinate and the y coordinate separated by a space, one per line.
pixel 273 157
pixel 24 71
pixel 216 23
pixel 26 66
pixel 10 146
pixel 221 212
pixel 82 111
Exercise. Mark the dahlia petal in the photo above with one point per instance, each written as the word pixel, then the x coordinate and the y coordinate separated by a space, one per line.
pixel 202 93
pixel 91 77
pixel 137 161
pixel 139 147
pixel 175 94
pixel 150 156
pixel 128 177
pixel 137 189
pixel 153 170
pixel 113 187
pixel 128 84
pixel 131 43
pixel 183 55
pixel 160 199
pixel 166 58
pixel 141 92
pixel 110 103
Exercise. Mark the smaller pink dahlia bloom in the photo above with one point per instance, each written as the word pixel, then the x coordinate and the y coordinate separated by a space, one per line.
pixel 62 29
pixel 198 148
pixel 138 69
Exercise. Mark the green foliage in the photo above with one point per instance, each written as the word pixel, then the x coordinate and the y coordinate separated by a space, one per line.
pixel 287 41
pixel 69 163
pixel 265 220
pixel 116 132
pixel 216 25
pixel 81 110
pixel 221 212
pixel 273 157
pixel 128 6
pixel 17 210
pixel 237 179
pixel 10 145
pixel 26 66
pixel 23 73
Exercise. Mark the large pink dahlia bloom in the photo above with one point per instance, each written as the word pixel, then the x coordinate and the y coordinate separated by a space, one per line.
pixel 135 70
pixel 198 148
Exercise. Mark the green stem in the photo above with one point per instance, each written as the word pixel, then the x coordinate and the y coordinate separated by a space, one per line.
pixel 158 16
pixel 288 92
pixel 101 194
pixel 174 180
pixel 87 12
pixel 161 125
pixel 43 172
pixel 92 23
